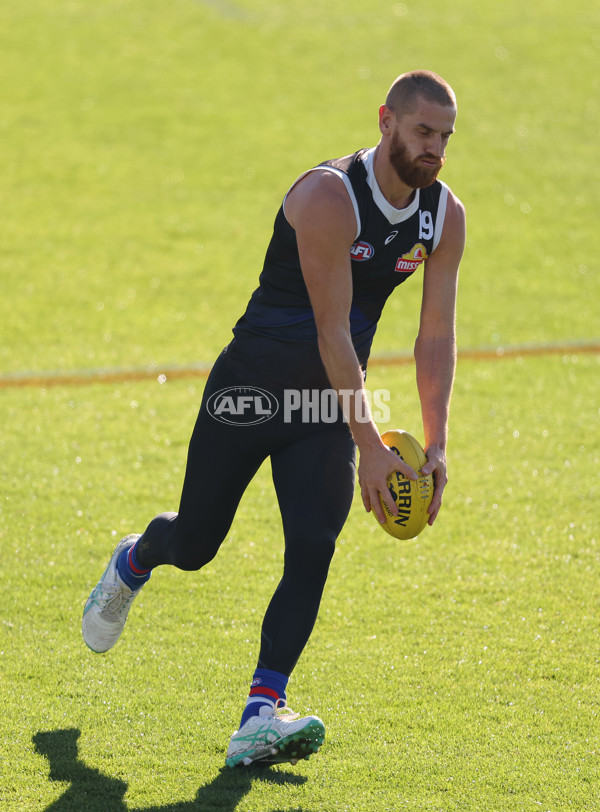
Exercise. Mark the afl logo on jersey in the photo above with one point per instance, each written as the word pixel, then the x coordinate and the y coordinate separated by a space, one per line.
pixel 410 261
pixel 362 251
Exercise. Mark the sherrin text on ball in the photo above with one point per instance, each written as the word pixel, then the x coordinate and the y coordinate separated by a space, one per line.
pixel 412 497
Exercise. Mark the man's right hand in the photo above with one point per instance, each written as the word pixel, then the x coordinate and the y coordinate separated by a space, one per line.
pixel 376 463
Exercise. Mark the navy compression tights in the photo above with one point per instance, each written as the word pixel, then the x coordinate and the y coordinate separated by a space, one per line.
pixel 313 467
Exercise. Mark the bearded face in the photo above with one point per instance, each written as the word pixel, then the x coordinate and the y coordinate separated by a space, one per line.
pixel 416 172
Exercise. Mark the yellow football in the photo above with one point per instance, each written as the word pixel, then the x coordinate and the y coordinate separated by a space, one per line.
pixel 412 497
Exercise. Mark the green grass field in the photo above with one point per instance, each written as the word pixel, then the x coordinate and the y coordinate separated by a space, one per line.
pixel 145 149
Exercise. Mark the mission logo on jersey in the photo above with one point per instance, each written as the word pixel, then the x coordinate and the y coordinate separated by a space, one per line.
pixel 410 261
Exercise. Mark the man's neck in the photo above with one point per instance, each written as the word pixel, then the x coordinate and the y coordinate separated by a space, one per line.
pixel 398 194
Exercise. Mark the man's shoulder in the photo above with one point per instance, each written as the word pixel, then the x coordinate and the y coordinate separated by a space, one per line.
pixel 438 188
pixel 347 163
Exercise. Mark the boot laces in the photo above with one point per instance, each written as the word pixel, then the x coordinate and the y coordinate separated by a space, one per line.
pixel 118 601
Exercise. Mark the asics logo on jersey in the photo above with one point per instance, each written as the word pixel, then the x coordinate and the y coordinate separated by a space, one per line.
pixel 362 251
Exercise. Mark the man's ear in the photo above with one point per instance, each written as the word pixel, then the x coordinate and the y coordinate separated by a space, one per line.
pixel 386 119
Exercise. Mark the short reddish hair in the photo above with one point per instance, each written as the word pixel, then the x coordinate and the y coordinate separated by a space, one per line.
pixel 405 91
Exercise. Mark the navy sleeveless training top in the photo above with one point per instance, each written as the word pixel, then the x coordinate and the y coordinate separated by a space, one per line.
pixel 390 245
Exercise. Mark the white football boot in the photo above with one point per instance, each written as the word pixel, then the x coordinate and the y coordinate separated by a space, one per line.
pixel 275 736
pixel 109 603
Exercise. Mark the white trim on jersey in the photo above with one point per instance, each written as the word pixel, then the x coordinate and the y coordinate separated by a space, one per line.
pixel 347 184
pixel 393 215
pixel 440 216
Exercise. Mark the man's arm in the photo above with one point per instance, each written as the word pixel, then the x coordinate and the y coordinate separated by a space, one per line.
pixel 435 347
pixel 321 213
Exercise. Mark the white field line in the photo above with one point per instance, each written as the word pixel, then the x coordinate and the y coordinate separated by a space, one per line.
pixel 80 377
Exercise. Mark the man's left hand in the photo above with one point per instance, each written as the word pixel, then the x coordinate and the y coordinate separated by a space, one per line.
pixel 436 465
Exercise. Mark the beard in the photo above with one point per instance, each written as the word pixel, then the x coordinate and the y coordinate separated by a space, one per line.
pixel 413 174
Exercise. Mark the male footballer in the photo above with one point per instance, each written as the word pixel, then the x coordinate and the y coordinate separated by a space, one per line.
pixel 348 233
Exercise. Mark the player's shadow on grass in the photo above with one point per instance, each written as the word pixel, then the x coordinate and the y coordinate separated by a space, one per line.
pixel 92 791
